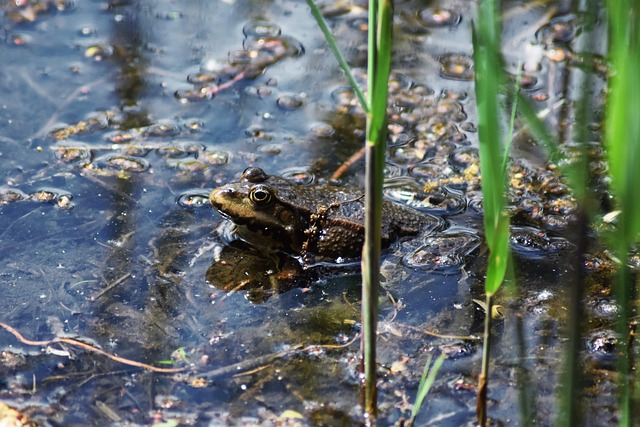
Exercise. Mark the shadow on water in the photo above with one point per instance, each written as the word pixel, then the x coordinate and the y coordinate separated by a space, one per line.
pixel 118 120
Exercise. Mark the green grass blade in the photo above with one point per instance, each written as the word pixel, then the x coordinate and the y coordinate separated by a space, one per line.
pixel 489 79
pixel 380 75
pixel 498 257
pixel 331 41
pixel 512 119
pixel 426 381
pixel 622 139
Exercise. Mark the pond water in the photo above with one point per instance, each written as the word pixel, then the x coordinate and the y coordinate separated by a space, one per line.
pixel 119 117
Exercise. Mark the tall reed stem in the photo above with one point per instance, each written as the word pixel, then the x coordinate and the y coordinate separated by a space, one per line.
pixel 379 65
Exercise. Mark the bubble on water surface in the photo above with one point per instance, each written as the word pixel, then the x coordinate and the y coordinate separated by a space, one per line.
pixel 179 149
pixel 170 15
pixel 11 195
pixel 243 57
pixel 193 125
pixel 261 28
pixel 133 150
pixel 322 130
pixel 560 30
pixel 465 156
pixel 468 127
pixel 290 102
pixel 191 166
pixel 184 96
pixel 203 78
pixel 438 17
pixel 98 52
pixel 270 149
pixel 399 82
pixel 71 152
pixel 344 95
pixel 162 129
pixel 193 198
pixel 359 23
pixel 21 39
pixel 441 201
pixel 121 137
pixel 474 203
pixel 439 128
pixel 406 154
pixel 605 307
pixel 276 46
pixel 124 163
pixel 215 157
pixel 456 67
pixel 431 171
pixel 298 175
pixel 335 8
pixel 87 31
pixel 258 132
pixel 392 171
pixel 451 108
pixel 28 11
pixel 446 253
pixel 458 350
pixel 534 243
pixel 54 196
pixel 171 151
pixel 602 347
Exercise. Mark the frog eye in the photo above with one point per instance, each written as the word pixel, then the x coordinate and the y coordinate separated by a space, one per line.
pixel 260 195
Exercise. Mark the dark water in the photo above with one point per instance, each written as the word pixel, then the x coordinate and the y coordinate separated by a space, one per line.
pixel 118 118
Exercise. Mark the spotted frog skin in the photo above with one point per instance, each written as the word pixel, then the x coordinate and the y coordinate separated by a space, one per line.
pixel 317 222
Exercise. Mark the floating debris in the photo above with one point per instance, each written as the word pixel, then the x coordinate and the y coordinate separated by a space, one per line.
pixel 437 17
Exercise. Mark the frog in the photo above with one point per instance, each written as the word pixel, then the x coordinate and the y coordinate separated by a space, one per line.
pixel 312 222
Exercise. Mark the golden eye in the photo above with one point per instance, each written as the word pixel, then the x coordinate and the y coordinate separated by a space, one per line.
pixel 260 195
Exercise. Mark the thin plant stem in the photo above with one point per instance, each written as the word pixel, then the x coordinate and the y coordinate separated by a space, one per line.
pixel 483 379
pixel 331 41
pixel 380 20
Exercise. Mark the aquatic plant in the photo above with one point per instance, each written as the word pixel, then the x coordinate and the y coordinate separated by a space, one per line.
pixel 426 381
pixel 621 136
pixel 622 141
pixel 378 69
pixel 489 79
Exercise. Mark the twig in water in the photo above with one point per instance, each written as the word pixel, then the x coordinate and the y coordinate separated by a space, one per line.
pixel 90 348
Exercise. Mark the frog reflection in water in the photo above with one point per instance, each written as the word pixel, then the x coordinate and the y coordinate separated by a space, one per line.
pixel 319 223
